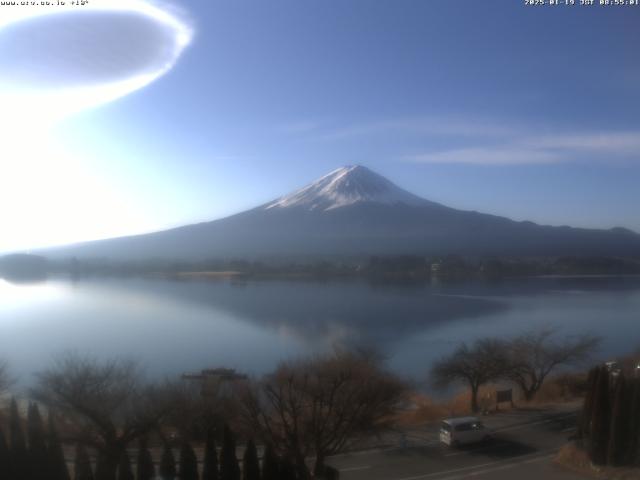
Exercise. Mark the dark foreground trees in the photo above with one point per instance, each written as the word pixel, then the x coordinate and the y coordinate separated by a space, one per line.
pixel 105 405
pixel 610 421
pixel 145 468
pixel 315 408
pixel 37 439
pixel 39 458
pixel 19 465
pixel 484 361
pixel 210 461
pixel 57 465
pixel 229 468
pixel 167 469
pixel 250 462
pixel 82 465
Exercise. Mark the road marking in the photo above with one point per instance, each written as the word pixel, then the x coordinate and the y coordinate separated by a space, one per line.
pixel 497 469
pixel 539 422
pixel 503 465
pixel 427 444
pixel 381 450
pixel 353 469
pixel 476 449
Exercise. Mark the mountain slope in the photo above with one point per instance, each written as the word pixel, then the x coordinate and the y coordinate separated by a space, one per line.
pixel 354 211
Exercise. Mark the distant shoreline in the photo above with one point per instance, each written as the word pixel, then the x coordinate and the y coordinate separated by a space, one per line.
pixel 393 268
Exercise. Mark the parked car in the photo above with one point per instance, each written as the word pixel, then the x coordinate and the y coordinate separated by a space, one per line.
pixel 463 430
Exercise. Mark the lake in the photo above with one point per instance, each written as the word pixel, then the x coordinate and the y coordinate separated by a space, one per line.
pixel 173 327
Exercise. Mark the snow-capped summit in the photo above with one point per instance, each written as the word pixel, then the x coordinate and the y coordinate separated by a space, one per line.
pixel 347 186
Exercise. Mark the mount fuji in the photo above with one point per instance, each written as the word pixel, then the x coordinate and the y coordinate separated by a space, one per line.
pixel 348 186
pixel 353 211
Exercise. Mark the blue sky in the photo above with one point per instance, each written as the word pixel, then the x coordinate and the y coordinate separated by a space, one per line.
pixel 527 112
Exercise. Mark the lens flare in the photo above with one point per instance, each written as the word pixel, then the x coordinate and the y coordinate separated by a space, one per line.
pixel 56 61
pixel 61 59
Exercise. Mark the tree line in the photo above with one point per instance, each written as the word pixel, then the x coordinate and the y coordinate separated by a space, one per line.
pixel 525 360
pixel 39 455
pixel 301 413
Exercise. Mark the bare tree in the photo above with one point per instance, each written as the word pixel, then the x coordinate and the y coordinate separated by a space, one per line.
pixel 317 407
pixel 196 411
pixel 485 360
pixel 105 404
pixel 535 354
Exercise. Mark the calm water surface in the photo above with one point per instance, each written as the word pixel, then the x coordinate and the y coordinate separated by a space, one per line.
pixel 176 326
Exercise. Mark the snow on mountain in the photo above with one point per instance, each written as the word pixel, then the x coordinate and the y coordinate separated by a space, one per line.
pixel 347 186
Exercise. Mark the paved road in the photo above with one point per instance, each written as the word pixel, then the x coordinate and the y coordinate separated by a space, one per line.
pixel 523 446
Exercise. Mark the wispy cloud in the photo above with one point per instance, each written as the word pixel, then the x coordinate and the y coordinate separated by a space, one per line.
pixel 602 146
pixel 487 156
pixel 300 127
pixel 425 126
pixel 619 143
pixel 479 141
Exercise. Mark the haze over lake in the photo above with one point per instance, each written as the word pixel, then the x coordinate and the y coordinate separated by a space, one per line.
pixel 173 327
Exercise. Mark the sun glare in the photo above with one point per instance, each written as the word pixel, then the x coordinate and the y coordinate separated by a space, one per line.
pixel 48 196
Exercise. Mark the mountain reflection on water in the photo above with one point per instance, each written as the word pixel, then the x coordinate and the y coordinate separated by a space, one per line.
pixel 177 326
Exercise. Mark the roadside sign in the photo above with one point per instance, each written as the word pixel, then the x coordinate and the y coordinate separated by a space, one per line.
pixel 504 396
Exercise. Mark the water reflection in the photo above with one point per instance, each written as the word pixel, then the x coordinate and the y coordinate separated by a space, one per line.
pixel 175 326
pixel 352 312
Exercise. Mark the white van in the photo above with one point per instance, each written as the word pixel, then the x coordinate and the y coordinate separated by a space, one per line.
pixel 463 430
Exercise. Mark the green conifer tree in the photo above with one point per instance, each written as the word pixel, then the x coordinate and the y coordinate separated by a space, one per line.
pixel 270 464
pixel 145 469
pixel 287 469
pixel 19 454
pixel 250 462
pixel 619 437
pixel 37 444
pixel 5 466
pixel 188 463
pixel 587 409
pixel 103 472
pixel 600 420
pixel 633 455
pixel 210 466
pixel 167 464
pixel 125 472
pixel 229 468
pixel 56 462
pixel 82 464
